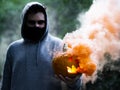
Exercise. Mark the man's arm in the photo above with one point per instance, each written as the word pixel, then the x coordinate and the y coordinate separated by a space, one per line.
pixel 6 80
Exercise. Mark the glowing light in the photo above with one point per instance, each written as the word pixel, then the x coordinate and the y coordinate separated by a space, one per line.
pixel 72 69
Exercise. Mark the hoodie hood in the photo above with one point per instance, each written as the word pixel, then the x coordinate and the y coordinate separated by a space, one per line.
pixel 25 12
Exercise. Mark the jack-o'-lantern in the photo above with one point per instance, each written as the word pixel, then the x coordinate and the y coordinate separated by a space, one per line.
pixel 74 61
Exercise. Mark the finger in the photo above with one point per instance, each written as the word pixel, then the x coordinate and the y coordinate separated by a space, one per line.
pixel 56 76
pixel 65 79
pixel 68 78
pixel 62 77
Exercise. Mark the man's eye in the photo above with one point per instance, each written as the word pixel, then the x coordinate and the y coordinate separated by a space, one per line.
pixel 31 22
pixel 41 22
pixel 34 22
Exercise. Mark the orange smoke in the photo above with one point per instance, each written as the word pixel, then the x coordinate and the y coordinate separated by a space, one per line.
pixel 100 30
pixel 98 34
pixel 81 53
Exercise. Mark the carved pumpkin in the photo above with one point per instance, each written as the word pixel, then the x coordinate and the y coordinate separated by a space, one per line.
pixel 74 61
pixel 60 64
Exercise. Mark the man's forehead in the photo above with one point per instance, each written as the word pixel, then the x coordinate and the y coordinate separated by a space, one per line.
pixel 38 15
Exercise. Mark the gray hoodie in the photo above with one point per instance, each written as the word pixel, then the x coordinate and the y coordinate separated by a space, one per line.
pixel 28 65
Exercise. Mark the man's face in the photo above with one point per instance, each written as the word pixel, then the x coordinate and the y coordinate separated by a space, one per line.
pixel 35 27
pixel 36 20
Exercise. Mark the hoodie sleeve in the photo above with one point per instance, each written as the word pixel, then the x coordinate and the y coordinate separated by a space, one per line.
pixel 6 81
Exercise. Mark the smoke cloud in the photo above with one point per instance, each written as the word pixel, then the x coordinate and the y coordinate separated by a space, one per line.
pixel 100 31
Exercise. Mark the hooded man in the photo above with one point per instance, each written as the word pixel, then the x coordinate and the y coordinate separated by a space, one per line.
pixel 28 63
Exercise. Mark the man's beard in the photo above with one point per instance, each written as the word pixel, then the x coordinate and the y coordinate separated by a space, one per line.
pixel 33 33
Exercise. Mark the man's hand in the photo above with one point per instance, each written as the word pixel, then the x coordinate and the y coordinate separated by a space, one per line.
pixel 68 80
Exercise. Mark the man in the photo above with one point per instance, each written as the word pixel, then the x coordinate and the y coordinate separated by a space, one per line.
pixel 28 63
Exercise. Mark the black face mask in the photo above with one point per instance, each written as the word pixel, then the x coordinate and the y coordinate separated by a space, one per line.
pixel 33 33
